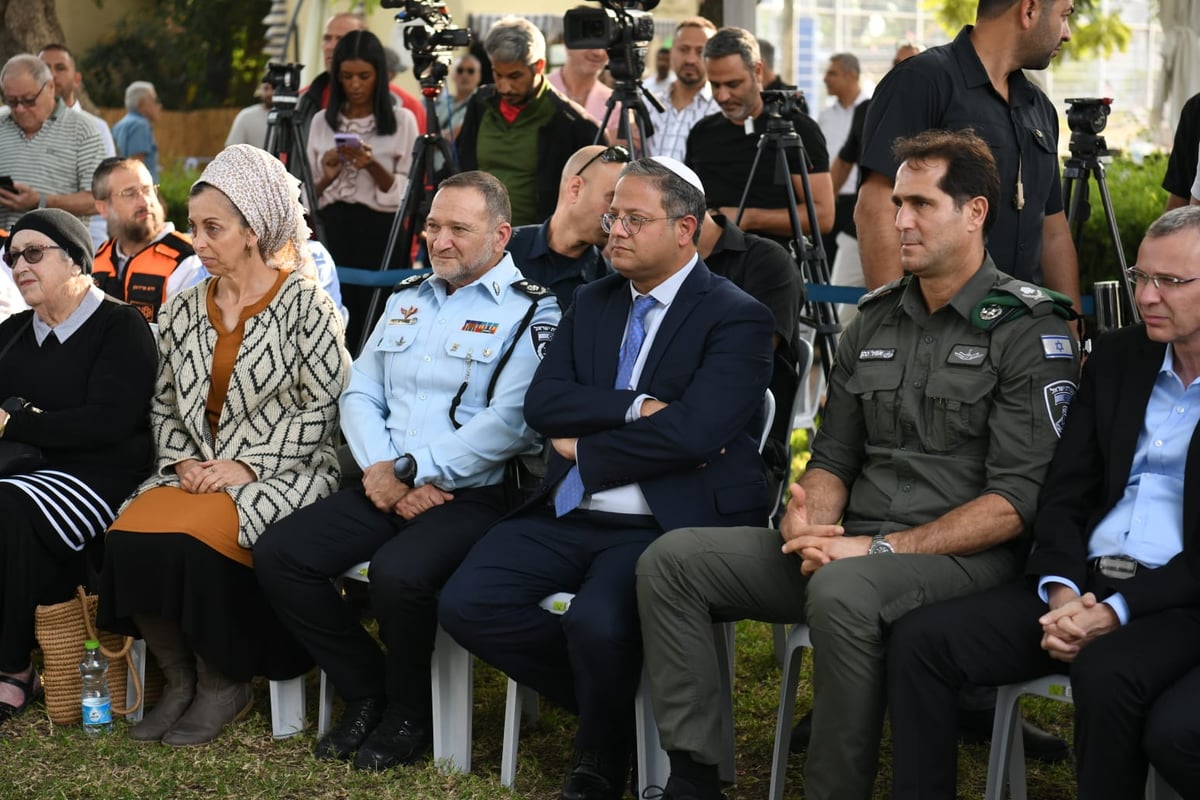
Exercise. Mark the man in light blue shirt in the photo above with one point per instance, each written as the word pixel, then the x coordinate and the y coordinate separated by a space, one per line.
pixel 433 412
pixel 1111 593
pixel 134 132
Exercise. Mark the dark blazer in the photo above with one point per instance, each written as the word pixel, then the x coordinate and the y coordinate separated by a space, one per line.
pixel 1091 467
pixel 697 460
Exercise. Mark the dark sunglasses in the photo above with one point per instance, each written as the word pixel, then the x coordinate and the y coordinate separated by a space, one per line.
pixel 609 155
pixel 32 254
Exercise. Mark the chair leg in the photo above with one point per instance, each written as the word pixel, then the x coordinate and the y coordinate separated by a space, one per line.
pixel 652 763
pixel 724 637
pixel 138 654
pixel 324 705
pixel 287 707
pixel 514 700
pixel 793 657
pixel 779 634
pixel 452 697
pixel 1006 761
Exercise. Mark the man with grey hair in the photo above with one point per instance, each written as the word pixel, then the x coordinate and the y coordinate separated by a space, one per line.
pixel 134 132
pixel 47 150
pixel 650 397
pixel 846 94
pixel 722 147
pixel 521 129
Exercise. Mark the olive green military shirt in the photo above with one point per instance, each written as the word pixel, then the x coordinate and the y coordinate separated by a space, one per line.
pixel 926 412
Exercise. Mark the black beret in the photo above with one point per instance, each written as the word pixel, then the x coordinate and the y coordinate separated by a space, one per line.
pixel 64 228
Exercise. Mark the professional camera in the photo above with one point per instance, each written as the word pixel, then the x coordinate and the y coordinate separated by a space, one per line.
pixel 437 37
pixel 621 31
pixel 786 102
pixel 1088 114
pixel 285 79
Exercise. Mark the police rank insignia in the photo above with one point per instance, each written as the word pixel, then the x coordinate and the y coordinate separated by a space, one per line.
pixel 1058 399
pixel 1031 292
pixel 967 354
pixel 990 312
pixel 1057 346
pixel 408 317
pixel 541 333
pixel 475 326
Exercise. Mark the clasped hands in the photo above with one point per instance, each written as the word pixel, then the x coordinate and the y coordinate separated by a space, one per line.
pixel 394 497
pixel 215 475
pixel 817 544
pixel 1073 621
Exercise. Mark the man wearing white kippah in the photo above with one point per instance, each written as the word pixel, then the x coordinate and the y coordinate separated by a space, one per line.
pixel 650 395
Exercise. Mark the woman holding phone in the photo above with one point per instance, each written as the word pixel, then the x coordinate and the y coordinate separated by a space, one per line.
pixel 360 150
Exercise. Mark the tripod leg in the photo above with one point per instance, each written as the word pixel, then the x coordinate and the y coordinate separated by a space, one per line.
pixel 1106 202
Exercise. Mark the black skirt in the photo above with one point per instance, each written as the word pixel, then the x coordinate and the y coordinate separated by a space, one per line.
pixel 223 614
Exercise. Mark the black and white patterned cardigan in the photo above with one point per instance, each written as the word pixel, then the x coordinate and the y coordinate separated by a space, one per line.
pixel 281 409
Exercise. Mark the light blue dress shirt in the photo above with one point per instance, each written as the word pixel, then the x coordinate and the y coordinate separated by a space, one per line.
pixel 1146 524
pixel 425 346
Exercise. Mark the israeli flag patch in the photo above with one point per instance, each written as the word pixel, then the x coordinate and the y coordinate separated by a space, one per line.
pixel 1054 346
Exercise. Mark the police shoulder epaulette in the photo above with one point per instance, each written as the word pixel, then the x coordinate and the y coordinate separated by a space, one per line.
pixel 411 281
pixel 1011 299
pixel 881 291
pixel 535 291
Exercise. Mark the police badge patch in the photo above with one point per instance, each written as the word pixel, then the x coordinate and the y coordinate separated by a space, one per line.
pixel 541 333
pixel 1058 399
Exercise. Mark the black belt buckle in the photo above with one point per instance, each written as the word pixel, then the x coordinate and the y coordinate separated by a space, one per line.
pixel 1117 567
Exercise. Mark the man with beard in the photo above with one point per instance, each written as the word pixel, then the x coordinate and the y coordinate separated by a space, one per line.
pixel 688 99
pixel 521 129
pixel 977 82
pixel 146 261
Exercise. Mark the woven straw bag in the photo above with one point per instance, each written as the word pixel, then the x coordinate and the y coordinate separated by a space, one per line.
pixel 61 630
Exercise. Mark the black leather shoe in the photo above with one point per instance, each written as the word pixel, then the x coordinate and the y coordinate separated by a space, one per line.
pixel 594 776
pixel 975 727
pixel 680 789
pixel 394 742
pixel 356 724
pixel 801 734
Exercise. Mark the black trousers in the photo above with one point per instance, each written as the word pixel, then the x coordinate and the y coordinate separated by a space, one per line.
pixel 410 560
pixel 30 574
pixel 588 660
pixel 1119 681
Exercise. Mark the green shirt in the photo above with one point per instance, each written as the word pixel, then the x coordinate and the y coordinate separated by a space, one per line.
pixel 926 412
pixel 510 152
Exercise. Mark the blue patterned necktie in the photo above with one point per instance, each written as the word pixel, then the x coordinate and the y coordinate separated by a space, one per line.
pixel 570 490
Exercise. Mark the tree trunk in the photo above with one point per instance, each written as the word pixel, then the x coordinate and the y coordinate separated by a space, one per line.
pixel 26 26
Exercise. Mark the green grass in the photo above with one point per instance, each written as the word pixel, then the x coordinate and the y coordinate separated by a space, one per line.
pixel 42 761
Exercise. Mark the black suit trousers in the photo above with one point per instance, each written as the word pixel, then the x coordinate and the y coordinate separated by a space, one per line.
pixel 993 638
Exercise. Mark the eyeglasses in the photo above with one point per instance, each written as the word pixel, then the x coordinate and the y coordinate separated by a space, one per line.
pixel 28 102
pixel 145 190
pixel 32 254
pixel 465 70
pixel 609 155
pixel 632 223
pixel 1137 278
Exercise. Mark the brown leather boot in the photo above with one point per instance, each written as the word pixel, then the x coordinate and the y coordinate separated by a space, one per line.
pixel 165 640
pixel 219 701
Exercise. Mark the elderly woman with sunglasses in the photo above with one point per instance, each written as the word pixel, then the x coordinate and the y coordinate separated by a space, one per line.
pixel 76 371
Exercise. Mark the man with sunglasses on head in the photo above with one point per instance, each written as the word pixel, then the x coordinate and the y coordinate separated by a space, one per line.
pixel 48 151
pixel 1110 593
pixel 432 414
pixel 650 395
pixel 564 252
pixel 146 261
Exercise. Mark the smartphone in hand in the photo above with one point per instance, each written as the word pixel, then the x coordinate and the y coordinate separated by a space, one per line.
pixel 6 183
pixel 347 140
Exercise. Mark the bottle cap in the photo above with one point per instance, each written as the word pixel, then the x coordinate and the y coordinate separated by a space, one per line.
pixel 91 644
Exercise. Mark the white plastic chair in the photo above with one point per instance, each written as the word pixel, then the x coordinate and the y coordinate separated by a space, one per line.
pixel 287 697
pixel 452 677
pixel 1006 761
pixel 793 655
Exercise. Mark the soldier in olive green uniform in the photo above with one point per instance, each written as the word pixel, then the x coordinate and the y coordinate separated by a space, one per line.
pixel 945 404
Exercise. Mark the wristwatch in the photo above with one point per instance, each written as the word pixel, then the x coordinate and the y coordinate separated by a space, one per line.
pixel 880 545
pixel 405 469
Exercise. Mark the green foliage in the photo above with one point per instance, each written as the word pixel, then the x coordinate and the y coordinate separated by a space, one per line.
pixel 174 183
pixel 197 54
pixel 1094 33
pixel 1138 199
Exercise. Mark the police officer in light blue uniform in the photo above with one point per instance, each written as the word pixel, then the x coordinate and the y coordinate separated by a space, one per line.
pixel 434 410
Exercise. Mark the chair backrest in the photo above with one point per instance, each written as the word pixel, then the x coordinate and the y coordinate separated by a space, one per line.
pixel 807 403
pixel 768 419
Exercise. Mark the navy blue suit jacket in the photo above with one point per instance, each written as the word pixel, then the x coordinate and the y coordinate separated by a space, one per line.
pixel 697 460
pixel 1091 468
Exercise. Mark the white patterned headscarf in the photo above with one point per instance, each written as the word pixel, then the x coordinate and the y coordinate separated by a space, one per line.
pixel 268 196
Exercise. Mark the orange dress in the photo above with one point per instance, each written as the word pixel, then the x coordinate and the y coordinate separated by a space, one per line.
pixel 210 518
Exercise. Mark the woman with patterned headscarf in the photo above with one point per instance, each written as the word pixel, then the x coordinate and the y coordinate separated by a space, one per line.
pixel 244 412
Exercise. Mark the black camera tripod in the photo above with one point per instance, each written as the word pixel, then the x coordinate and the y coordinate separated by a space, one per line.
pixel 285 140
pixel 1086 149
pixel 629 94
pixel 821 316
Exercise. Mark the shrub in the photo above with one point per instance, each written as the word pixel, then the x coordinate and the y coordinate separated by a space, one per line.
pixel 1138 199
pixel 174 182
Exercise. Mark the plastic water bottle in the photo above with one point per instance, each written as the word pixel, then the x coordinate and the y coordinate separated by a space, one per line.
pixel 97 703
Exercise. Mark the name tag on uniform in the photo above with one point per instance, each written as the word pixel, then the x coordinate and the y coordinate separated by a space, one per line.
pixel 877 354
